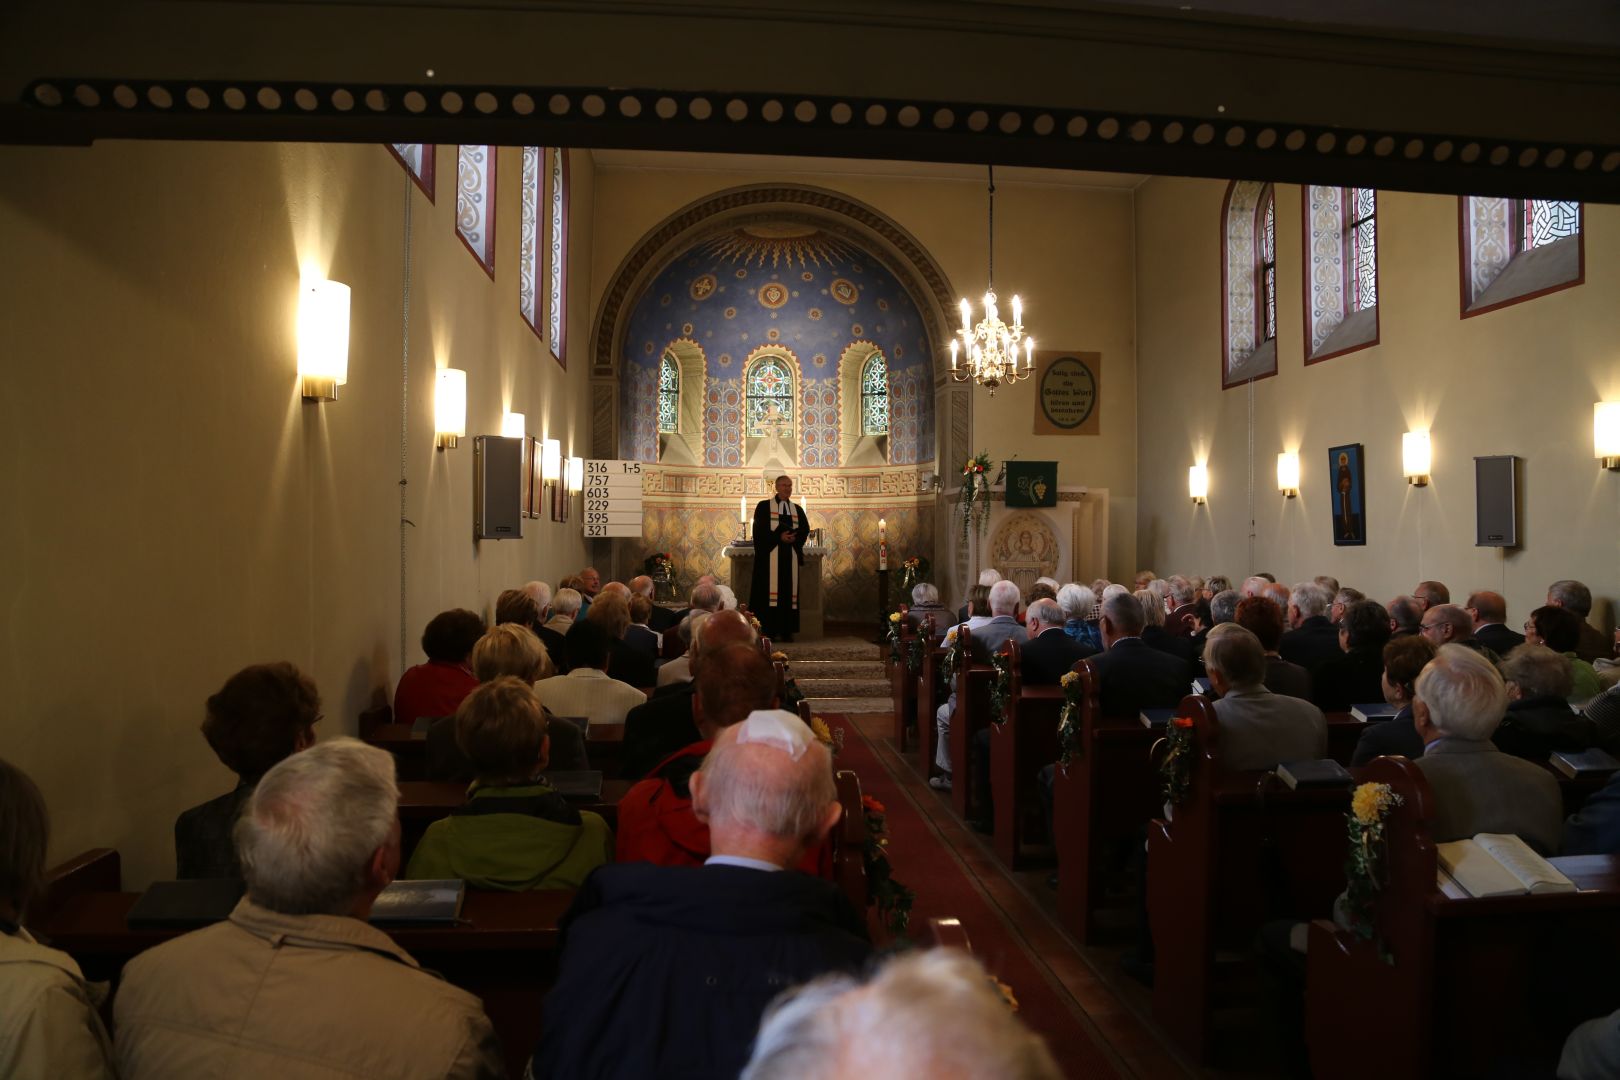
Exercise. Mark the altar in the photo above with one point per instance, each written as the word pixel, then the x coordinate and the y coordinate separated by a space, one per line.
pixel 812 616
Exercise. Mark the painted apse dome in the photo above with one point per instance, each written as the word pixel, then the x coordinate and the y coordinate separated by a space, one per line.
pixel 776 345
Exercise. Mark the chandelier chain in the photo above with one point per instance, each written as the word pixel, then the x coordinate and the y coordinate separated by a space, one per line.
pixel 990 281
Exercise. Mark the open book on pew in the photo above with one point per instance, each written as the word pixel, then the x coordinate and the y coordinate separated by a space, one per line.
pixel 1156 718
pixel 434 901
pixel 1498 864
pixel 1314 773
pixel 1202 685
pixel 1380 711
pixel 1584 763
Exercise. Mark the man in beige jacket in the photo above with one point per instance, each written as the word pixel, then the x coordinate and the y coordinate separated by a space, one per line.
pixel 296 983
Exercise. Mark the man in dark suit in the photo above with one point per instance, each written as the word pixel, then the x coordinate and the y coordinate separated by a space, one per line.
pixel 987 639
pixel 780 531
pixel 658 619
pixel 1489 613
pixel 1313 639
pixel 663 725
pixel 1448 624
pixel 1132 675
pixel 640 635
pixel 1355 678
pixel 666 970
pixel 1595 829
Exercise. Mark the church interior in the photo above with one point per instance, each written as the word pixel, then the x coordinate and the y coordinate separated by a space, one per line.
pixel 723 305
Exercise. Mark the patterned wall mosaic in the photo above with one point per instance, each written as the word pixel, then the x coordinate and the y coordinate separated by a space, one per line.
pixel 780 290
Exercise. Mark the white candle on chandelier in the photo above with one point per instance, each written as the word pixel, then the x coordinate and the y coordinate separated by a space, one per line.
pixel 990 306
pixel 953 354
pixel 967 319
pixel 1029 353
pixel 1018 310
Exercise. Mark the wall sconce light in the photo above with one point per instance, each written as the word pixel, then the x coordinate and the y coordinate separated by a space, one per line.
pixel 1606 433
pixel 576 475
pixel 1198 483
pixel 323 338
pixel 1415 457
pixel 550 461
pixel 450 407
pixel 1288 473
pixel 514 426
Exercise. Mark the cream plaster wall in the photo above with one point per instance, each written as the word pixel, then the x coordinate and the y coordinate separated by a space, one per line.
pixel 174 512
pixel 1066 250
pixel 1520 380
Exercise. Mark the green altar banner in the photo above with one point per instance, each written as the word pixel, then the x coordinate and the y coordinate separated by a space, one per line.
pixel 1032 483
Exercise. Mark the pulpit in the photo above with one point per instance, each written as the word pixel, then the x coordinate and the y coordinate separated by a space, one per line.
pixel 812 623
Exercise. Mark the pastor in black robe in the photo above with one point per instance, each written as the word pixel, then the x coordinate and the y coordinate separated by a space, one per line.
pixel 778 620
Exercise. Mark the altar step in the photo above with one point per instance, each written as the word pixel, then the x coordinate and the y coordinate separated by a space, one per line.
pixel 840 675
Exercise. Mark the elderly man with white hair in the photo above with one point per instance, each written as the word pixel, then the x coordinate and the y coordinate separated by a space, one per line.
pixel 928 1013
pixel 987 639
pixel 661 618
pixel 1459 702
pixel 1311 639
pixel 1183 614
pixel 296 982
pixel 666 970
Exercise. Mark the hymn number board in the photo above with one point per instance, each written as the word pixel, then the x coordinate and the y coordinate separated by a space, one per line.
pixel 612 498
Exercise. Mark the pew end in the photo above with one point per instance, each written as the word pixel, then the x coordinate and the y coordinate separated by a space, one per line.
pixel 92 871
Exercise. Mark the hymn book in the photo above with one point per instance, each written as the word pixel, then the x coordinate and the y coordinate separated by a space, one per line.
pixel 1500 864
pixel 1320 772
pixel 1367 713
pixel 1202 686
pixel 1593 762
pixel 430 900
pixel 1155 718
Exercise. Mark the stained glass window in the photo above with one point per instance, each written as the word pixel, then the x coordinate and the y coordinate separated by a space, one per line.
pixel 875 396
pixel 557 259
pixel 529 237
pixel 475 203
pixel 1363 246
pixel 669 395
pixel 770 397
pixel 1268 262
pixel 1549 220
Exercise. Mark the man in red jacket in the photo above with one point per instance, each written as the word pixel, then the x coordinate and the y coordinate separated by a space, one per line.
pixel 656 823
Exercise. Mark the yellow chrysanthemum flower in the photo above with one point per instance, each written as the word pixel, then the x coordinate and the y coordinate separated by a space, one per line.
pixel 1070 678
pixel 1370 802
pixel 781 656
pixel 895 617
pixel 819 728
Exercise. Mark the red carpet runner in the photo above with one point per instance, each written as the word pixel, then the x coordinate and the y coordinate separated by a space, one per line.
pixel 924 859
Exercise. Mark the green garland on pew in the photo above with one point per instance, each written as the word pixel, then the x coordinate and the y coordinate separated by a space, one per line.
pixel 893 899
pixel 954 648
pixel 1000 687
pixel 1364 869
pixel 894 637
pixel 1071 744
pixel 1175 771
pixel 914 654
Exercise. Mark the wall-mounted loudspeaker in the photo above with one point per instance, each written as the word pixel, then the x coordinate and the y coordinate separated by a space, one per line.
pixel 497 488
pixel 1496 501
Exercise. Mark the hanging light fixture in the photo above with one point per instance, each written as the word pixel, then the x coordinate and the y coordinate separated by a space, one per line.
pixel 989 351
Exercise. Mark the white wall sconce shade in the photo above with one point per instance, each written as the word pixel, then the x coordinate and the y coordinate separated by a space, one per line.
pixel 450 407
pixel 1606 433
pixel 514 426
pixel 323 338
pixel 1198 483
pixel 576 475
pixel 1288 473
pixel 1415 457
pixel 550 461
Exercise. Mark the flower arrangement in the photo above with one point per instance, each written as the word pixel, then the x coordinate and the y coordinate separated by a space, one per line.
pixel 893 629
pixel 1071 744
pixel 1000 686
pixel 830 737
pixel 976 484
pixel 892 898
pixel 660 564
pixel 912 571
pixel 1364 865
pixel 1175 771
pixel 953 657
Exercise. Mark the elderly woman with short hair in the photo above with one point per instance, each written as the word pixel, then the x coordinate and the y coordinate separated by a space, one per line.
pixel 1539 719
pixel 1079 606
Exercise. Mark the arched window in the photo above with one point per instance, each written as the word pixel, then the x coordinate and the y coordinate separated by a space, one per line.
pixel 475 203
pixel 669 395
pixel 1341 270
pixel 557 259
pixel 875 396
pixel 770 396
pixel 1267 269
pixel 1249 280
pixel 1513 249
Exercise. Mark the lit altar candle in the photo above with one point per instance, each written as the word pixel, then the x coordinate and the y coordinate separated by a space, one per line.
pixel 883 530
pixel 742 508
pixel 883 544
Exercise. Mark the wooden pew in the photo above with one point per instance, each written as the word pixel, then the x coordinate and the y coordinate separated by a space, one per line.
pixel 903 685
pixel 505 951
pixel 1476 987
pixel 1242 849
pixel 947 932
pixel 928 693
pixel 973 681
pixel 1020 746
pixel 1100 802
pixel 92 871
pixel 604 746
pixel 422 802
pixel 849 847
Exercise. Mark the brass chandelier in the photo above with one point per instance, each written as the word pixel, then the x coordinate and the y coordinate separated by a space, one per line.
pixel 989 351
